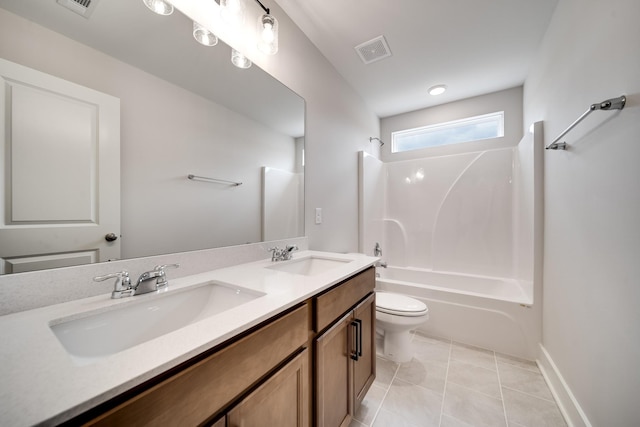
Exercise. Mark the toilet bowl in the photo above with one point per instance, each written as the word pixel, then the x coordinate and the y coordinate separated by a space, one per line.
pixel 396 316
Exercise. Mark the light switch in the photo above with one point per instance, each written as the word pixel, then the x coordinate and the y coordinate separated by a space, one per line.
pixel 318 215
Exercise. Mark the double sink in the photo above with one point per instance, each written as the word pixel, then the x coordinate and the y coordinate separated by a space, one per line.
pixel 98 334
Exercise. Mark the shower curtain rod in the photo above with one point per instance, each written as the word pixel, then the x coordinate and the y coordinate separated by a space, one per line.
pixel 609 104
pixel 220 181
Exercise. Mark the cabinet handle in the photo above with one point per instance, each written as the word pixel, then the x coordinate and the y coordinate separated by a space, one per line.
pixel 359 322
pixel 354 354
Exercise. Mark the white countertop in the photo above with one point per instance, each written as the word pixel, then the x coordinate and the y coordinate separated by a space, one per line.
pixel 41 384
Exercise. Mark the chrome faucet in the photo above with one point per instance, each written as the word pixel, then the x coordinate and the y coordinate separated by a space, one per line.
pixel 285 254
pixel 146 282
pixel 377 250
pixel 123 288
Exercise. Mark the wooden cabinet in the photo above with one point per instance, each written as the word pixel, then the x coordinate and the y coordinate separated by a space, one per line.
pixel 345 352
pixel 283 400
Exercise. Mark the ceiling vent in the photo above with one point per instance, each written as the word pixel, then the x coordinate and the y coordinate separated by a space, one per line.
pixel 83 8
pixel 373 50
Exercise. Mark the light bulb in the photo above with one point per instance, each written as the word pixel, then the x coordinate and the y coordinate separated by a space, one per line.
pixel 232 11
pixel 268 31
pixel 159 6
pixel 203 35
pixel 239 60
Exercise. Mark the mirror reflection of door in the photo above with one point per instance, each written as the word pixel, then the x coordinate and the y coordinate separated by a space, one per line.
pixel 60 179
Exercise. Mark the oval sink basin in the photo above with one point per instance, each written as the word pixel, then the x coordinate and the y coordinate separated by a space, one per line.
pixel 310 266
pixel 144 318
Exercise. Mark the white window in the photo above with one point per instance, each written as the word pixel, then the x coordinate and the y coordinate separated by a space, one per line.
pixel 464 130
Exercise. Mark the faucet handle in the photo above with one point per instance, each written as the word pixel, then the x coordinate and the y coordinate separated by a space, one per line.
pixel 276 253
pixel 163 266
pixel 287 253
pixel 122 286
pixel 162 277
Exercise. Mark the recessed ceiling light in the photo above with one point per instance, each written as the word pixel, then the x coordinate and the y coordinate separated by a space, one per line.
pixel 437 90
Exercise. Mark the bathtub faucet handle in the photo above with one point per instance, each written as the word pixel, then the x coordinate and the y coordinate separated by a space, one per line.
pixel 381 264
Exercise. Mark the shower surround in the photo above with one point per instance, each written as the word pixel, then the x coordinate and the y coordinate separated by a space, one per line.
pixel 448 226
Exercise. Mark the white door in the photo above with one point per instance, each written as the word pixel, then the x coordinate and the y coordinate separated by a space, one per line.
pixel 60 172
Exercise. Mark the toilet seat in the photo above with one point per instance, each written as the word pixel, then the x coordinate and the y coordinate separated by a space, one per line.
pixel 399 305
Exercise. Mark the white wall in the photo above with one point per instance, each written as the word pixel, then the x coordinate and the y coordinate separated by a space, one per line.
pixel 509 101
pixel 166 133
pixel 591 319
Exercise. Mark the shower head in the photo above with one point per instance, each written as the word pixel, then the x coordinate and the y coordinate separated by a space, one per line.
pixel 372 138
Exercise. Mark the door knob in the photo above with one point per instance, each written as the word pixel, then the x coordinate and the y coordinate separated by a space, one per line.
pixel 111 237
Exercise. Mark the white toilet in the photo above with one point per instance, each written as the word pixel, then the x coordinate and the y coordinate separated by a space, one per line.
pixel 396 315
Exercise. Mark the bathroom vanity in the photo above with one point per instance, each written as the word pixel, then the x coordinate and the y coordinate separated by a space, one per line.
pixel 301 353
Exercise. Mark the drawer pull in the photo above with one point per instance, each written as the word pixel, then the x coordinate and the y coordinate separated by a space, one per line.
pixel 356 339
pixel 359 329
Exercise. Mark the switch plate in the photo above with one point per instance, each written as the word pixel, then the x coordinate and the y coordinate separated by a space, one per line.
pixel 318 215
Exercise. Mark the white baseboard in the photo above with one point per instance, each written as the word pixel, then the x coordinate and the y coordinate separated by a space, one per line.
pixel 569 406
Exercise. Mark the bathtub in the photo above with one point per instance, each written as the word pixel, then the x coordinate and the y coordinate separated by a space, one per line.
pixel 493 313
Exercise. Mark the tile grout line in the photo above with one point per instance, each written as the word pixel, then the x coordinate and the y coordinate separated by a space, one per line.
pixel 385 394
pixel 504 405
pixel 446 378
pixel 531 395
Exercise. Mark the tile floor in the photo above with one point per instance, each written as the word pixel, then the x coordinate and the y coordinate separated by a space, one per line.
pixel 454 385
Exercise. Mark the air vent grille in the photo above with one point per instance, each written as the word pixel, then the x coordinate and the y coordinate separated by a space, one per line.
pixel 83 8
pixel 373 50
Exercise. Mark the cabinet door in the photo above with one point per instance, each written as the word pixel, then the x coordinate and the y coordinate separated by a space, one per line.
pixel 364 368
pixel 333 357
pixel 281 401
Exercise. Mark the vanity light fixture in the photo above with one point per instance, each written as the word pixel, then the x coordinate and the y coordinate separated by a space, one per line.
pixel 437 90
pixel 160 7
pixel 239 60
pixel 232 12
pixel 203 35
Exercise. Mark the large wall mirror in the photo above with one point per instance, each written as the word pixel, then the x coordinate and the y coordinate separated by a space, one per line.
pixel 184 109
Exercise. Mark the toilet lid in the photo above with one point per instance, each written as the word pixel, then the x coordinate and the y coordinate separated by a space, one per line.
pixel 400 305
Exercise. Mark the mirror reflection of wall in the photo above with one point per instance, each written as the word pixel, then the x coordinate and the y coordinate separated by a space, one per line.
pixel 168 132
